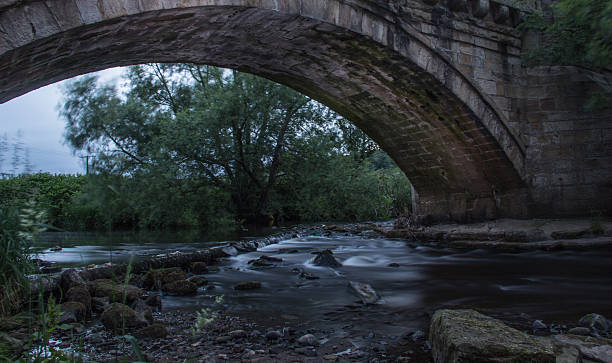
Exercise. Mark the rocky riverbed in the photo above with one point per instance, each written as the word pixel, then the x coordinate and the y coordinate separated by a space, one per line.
pixel 326 293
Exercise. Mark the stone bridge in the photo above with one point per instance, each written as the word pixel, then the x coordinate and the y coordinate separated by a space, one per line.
pixel 437 83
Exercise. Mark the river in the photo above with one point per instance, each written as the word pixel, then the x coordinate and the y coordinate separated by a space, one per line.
pixel 412 280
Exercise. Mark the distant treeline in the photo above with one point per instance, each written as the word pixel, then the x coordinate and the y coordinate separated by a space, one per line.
pixel 344 189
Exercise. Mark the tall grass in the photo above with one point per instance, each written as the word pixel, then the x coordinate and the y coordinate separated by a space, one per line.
pixel 17 231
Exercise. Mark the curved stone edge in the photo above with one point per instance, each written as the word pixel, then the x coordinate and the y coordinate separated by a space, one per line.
pixel 56 16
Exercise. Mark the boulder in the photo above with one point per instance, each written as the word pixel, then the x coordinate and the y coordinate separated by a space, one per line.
pixel 80 294
pixel 67 317
pixel 365 292
pixel 180 288
pixel 247 285
pixel 70 278
pixel 115 292
pixel 591 349
pixel 198 280
pixel 468 336
pixel 595 322
pixel 155 331
pixel 119 316
pixel 199 267
pixel 229 251
pixel 326 259
pixel 155 279
pixel 76 308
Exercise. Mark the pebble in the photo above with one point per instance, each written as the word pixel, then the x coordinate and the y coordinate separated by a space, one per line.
pixel 223 339
pixel 273 335
pixel 238 334
pixel 538 324
pixel 308 339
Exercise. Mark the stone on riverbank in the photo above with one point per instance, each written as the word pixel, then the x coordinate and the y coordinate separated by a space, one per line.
pixel 180 288
pixel 114 291
pixel 591 349
pixel 119 316
pixel 71 278
pixel 248 285
pixel 79 310
pixel 326 259
pixel 155 279
pixel 80 294
pixel 468 336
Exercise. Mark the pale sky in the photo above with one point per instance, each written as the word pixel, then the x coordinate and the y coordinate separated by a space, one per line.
pixel 36 115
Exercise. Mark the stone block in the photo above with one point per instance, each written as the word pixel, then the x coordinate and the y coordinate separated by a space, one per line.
pixel 112 8
pixel 16 27
pixel 66 14
pixel 89 11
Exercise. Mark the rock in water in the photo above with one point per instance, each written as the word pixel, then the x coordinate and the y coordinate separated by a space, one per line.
pixel 468 336
pixel 594 321
pixel 198 280
pixel 115 292
pixel 326 259
pixel 365 292
pixel 180 288
pixel 229 251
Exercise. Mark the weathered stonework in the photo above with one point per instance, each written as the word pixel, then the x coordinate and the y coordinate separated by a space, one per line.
pixel 437 83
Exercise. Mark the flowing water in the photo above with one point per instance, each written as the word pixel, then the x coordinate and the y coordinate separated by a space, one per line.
pixel 412 281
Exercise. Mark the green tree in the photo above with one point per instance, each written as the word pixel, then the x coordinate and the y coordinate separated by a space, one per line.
pixel 181 131
pixel 580 34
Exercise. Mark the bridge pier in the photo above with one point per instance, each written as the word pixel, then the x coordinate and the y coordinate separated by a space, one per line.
pixel 465 207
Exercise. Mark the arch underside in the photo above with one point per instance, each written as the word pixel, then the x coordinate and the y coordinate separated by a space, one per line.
pixel 455 164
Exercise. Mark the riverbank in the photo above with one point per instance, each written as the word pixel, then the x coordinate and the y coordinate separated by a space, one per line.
pixel 298 311
pixel 511 234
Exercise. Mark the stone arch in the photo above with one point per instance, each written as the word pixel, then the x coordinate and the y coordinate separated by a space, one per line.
pixel 355 57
